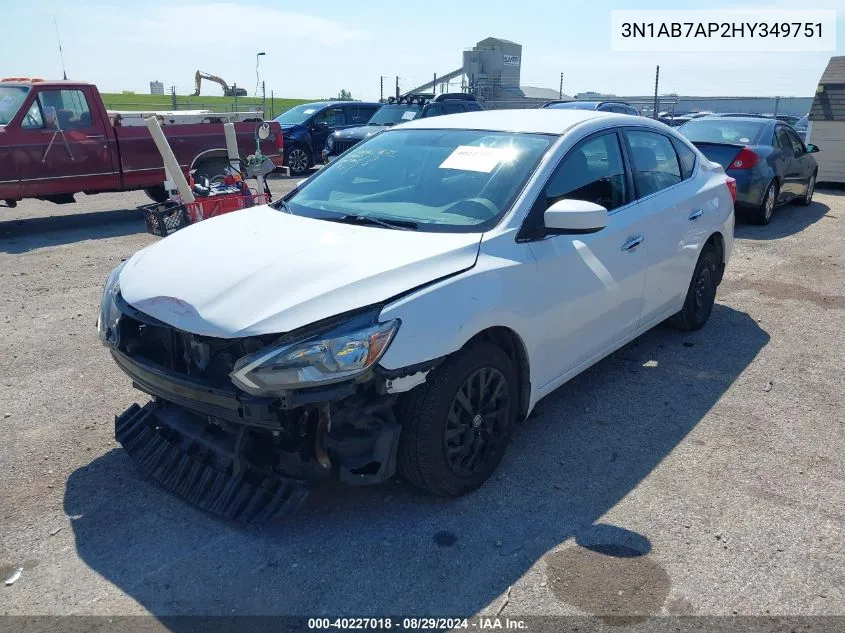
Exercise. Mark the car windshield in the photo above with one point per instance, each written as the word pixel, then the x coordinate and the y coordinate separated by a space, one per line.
pixel 11 98
pixel 430 180
pixel 298 114
pixel 395 113
pixel 706 130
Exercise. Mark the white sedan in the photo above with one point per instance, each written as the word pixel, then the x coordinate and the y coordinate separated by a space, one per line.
pixel 406 306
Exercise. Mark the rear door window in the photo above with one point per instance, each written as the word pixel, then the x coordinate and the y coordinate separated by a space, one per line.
pixel 686 158
pixel 654 162
pixel 454 108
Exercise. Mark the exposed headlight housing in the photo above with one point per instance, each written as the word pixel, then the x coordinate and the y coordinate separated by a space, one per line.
pixel 338 354
pixel 109 313
pixel 330 141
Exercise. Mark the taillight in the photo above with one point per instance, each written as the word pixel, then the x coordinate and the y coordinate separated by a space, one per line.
pixel 280 142
pixel 746 159
pixel 731 183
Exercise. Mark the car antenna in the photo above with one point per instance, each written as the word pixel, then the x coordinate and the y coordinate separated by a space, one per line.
pixel 61 53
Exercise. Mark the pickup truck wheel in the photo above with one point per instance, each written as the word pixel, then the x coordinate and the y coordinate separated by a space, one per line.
pixel 157 193
pixel 457 425
pixel 298 160
pixel 701 294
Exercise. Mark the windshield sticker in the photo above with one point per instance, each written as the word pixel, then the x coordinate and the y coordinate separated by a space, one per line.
pixel 409 114
pixel 744 140
pixel 471 158
pixel 309 111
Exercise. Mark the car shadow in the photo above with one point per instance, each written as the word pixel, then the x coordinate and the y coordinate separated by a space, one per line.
pixel 788 219
pixel 389 550
pixel 28 234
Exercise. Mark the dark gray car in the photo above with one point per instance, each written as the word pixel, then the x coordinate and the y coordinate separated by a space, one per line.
pixel 767 158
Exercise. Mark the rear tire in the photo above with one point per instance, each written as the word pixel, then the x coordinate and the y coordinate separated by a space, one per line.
pixel 457 425
pixel 762 214
pixel 701 294
pixel 157 193
pixel 807 198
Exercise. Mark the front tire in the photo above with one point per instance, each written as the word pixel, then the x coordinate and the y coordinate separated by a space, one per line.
pixel 457 425
pixel 762 214
pixel 807 198
pixel 298 160
pixel 701 294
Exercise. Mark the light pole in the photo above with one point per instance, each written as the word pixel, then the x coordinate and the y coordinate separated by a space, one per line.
pixel 257 55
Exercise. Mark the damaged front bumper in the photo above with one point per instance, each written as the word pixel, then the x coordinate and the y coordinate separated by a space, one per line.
pixel 253 459
pixel 238 454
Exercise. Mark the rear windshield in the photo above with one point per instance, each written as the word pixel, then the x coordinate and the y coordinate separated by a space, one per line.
pixel 11 98
pixel 735 131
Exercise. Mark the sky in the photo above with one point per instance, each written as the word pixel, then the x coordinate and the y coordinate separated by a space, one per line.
pixel 315 49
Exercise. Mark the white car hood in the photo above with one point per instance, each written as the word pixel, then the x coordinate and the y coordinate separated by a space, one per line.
pixel 263 271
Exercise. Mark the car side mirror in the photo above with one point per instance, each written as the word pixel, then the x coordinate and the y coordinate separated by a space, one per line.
pixel 575 216
pixel 812 149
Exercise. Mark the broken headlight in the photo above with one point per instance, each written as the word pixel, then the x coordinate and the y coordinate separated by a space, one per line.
pixel 343 352
pixel 109 313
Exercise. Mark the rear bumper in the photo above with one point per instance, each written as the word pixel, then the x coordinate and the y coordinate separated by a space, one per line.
pixel 278 160
pixel 750 186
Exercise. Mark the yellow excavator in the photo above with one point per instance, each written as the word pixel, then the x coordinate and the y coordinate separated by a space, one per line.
pixel 227 91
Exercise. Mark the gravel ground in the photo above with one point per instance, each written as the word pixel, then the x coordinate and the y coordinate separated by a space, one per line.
pixel 686 474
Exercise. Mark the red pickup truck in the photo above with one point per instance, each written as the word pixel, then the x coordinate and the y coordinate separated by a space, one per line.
pixel 57 139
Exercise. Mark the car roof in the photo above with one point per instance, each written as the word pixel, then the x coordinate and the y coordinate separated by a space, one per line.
pixel 537 121
pixel 329 104
pixel 752 119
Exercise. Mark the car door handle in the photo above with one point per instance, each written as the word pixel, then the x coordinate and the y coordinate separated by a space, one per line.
pixel 696 214
pixel 632 243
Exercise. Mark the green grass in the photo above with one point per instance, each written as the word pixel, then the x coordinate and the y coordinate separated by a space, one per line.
pixel 203 102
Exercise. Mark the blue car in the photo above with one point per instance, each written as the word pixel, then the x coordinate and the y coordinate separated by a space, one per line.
pixel 306 127
pixel 766 157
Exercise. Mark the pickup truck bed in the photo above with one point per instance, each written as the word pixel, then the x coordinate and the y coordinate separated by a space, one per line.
pixel 61 141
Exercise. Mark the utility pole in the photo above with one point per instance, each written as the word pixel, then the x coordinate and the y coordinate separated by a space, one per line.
pixel 560 92
pixel 272 104
pixel 235 94
pixel 381 93
pixel 173 97
pixel 434 84
pixel 263 100
pixel 656 100
pixel 777 104
pixel 397 87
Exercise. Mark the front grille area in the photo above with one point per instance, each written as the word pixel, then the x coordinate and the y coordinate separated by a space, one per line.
pixel 185 354
pixel 341 146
